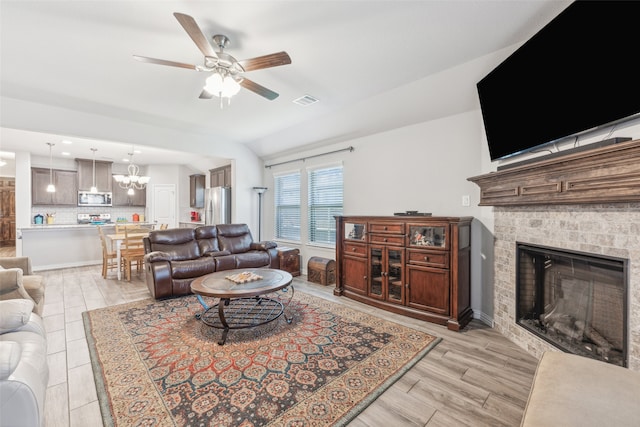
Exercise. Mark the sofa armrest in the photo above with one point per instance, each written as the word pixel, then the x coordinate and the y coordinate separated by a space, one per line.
pixel 157 256
pixel 11 285
pixel 22 262
pixel 217 253
pixel 263 246
pixel 158 274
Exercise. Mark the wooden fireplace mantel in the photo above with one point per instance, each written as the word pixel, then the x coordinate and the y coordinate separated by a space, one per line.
pixel 602 175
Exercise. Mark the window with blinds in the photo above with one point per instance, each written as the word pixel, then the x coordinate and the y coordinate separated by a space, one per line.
pixel 325 201
pixel 287 205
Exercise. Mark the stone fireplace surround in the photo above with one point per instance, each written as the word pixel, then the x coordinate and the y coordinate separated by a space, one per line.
pixel 605 229
pixel 588 201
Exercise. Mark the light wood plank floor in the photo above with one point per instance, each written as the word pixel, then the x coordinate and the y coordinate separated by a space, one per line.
pixel 472 378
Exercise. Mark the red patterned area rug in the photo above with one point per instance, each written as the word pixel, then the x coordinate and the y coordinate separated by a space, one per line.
pixel 155 364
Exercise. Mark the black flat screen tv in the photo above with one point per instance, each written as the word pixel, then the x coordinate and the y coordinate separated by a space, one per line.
pixel 576 74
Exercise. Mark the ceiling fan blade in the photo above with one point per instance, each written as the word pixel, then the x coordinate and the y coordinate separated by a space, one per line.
pixel 205 95
pixel 260 90
pixel 190 26
pixel 164 62
pixel 266 61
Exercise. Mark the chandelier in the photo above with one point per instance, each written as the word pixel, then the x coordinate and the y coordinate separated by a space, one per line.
pixel 132 181
pixel 222 84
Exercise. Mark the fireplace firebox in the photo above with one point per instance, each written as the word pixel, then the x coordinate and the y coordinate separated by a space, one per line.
pixel 574 300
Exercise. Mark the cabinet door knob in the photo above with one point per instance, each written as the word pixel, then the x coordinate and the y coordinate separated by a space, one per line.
pixel 385 227
pixel 426 258
pixel 384 240
pixel 364 277
pixel 353 249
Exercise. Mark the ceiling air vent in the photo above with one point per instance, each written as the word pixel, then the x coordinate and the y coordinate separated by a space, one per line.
pixel 305 100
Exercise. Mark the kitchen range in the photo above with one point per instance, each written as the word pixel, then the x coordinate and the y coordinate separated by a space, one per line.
pixel 97 219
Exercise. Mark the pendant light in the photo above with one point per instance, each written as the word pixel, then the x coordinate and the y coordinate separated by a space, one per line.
pixel 94 189
pixel 51 188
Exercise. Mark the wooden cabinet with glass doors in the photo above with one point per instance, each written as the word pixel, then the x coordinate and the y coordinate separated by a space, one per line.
pixel 414 265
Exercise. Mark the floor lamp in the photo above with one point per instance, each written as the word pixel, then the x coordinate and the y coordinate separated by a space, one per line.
pixel 260 191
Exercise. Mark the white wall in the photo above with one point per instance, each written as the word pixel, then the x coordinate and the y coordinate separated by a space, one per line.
pixel 421 167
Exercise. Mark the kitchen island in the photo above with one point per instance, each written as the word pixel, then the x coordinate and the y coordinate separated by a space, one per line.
pixel 53 246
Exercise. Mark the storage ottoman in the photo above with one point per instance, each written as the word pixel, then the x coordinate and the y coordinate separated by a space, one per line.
pixel 321 270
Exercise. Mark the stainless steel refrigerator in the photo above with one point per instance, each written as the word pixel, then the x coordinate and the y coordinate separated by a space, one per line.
pixel 217 205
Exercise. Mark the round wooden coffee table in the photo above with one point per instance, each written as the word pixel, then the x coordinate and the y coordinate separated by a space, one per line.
pixel 242 305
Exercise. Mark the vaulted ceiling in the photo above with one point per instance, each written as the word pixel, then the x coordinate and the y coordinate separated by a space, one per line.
pixel 356 57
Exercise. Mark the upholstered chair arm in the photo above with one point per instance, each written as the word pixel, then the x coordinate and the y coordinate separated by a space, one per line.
pixel 157 256
pixel 158 274
pixel 217 253
pixel 11 285
pixel 22 262
pixel 263 246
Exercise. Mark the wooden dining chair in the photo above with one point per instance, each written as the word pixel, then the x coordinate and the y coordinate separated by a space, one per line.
pixel 164 226
pixel 121 227
pixel 132 250
pixel 109 255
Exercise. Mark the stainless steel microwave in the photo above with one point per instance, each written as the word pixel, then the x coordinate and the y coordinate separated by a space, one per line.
pixel 86 198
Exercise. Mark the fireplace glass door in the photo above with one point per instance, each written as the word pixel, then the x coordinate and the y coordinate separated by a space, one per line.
pixel 575 301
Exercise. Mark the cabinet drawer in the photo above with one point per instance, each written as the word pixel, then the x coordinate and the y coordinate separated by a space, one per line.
pixel 355 249
pixel 386 227
pixel 386 239
pixel 436 259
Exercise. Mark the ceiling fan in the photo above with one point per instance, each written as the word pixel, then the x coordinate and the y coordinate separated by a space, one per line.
pixel 226 72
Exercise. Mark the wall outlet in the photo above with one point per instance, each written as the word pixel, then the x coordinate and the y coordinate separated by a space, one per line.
pixel 465 200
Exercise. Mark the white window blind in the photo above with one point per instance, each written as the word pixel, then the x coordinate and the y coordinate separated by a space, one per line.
pixel 287 204
pixel 325 201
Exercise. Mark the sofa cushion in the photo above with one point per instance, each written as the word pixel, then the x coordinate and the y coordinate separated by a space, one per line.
pixel 235 238
pixel 179 243
pixel 207 237
pixel 192 268
pixel 252 259
pixel 14 314
pixel 571 390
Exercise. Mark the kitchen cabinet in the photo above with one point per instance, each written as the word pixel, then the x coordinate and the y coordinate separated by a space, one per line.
pixel 418 266
pixel 196 190
pixel 7 211
pixel 221 177
pixel 104 181
pixel 121 198
pixel 66 187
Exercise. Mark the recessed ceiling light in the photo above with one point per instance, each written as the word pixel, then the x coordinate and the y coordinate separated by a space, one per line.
pixel 66 141
pixel 65 153
pixel 125 160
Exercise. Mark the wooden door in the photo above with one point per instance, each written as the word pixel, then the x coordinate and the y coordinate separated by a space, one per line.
pixel 164 204
pixel 7 212
pixel 39 182
pixel 354 271
pixel 428 289
pixel 66 187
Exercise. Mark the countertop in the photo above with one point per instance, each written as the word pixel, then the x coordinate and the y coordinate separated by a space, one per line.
pixel 32 227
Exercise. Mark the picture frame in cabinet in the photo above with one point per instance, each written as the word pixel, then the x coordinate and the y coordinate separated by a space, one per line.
pixel 353 231
pixel 428 236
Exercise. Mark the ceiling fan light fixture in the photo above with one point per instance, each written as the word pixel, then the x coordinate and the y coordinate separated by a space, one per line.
pixel 223 86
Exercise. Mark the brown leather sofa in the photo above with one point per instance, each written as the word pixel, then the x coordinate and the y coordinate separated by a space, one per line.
pixel 175 257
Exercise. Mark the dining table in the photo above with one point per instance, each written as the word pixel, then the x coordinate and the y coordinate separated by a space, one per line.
pixel 117 238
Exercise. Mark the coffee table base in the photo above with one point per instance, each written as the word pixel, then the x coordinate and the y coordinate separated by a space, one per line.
pixel 241 313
